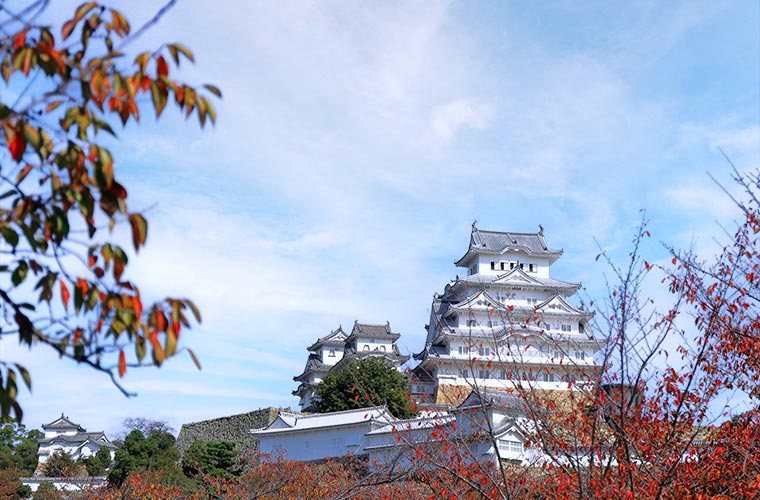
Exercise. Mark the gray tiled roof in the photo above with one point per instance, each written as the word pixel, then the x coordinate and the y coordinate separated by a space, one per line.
pixel 486 279
pixel 63 422
pixel 367 331
pixel 313 365
pixel 334 338
pixel 81 437
pixel 497 242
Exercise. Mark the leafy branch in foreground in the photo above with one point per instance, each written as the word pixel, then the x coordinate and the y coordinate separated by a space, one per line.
pixel 62 274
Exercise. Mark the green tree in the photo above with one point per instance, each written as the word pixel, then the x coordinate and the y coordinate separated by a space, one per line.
pixel 215 458
pixel 62 464
pixel 57 177
pixel 18 448
pixel 156 452
pixel 99 462
pixel 365 383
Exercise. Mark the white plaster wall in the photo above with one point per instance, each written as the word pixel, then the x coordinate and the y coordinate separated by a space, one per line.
pixel 315 444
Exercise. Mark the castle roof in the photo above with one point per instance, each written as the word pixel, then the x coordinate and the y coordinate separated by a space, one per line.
pixel 499 243
pixel 79 439
pixel 63 423
pixel 294 422
pixel 367 331
pixel 313 365
pixel 334 338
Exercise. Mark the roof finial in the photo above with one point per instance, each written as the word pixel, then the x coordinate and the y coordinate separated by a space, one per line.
pixel 474 224
pixel 540 229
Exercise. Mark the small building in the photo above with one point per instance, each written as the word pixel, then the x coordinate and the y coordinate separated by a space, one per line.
pixel 336 350
pixel 64 435
pixel 319 436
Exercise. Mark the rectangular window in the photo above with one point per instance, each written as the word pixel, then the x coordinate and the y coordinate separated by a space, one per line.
pixel 504 375
pixel 532 268
pixel 493 266
pixel 557 354
pixel 511 265
pixel 472 322
pixel 581 328
pixel 580 355
pixel 483 374
pixel 501 265
pixel 532 301
pixel 510 446
pixel 484 351
pixel 565 327
pixel 548 377
pixel 466 373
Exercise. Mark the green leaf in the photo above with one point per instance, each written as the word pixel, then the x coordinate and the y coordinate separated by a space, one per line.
pixel 139 230
pixel 19 275
pixel 10 236
pixel 194 358
pixel 213 89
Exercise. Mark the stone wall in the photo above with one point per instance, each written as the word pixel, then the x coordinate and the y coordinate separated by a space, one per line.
pixel 233 428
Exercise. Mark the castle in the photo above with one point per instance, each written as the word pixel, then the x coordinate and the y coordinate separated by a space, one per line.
pixel 506 323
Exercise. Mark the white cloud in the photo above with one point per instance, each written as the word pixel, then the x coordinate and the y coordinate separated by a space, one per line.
pixel 458 114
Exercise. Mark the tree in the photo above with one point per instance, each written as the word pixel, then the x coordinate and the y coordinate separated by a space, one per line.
pixel 99 462
pixel 11 486
pixel 58 180
pixel 18 448
pixel 62 464
pixel 147 426
pixel 215 458
pixel 364 383
pixel 154 453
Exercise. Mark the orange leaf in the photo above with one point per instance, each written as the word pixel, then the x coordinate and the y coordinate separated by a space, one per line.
pixel 122 364
pixel 19 39
pixel 65 295
pixel 137 305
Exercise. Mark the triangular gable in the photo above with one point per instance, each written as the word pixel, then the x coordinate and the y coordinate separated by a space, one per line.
pixel 63 422
pixel 283 421
pixel 471 302
pixel 336 335
pixel 557 304
pixel 517 276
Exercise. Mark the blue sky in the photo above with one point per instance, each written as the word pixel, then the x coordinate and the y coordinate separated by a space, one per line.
pixel 357 142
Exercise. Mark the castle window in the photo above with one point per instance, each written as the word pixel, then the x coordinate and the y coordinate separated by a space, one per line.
pixel 511 265
pixel 331 353
pixel 501 264
pixel 581 328
pixel 493 265
pixel 366 347
pixel 382 348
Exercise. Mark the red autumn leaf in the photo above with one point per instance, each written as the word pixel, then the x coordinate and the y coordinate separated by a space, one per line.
pixel 137 305
pixel 122 364
pixel 65 295
pixel 19 39
pixel 16 142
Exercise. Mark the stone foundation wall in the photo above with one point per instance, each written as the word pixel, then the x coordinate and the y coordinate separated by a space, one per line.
pixel 233 428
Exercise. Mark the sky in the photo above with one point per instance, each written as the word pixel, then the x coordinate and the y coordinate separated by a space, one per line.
pixel 357 142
